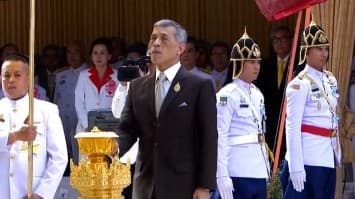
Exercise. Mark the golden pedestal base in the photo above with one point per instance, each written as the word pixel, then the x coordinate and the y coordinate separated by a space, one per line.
pixel 94 177
pixel 97 180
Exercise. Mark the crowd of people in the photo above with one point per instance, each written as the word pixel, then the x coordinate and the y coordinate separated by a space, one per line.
pixel 200 117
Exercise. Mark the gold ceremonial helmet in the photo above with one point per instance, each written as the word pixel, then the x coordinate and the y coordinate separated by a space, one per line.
pixel 312 36
pixel 244 49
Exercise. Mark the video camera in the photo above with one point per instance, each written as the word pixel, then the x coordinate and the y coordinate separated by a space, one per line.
pixel 130 68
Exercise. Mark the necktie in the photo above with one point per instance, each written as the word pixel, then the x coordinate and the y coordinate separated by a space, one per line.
pixel 159 92
pixel 280 72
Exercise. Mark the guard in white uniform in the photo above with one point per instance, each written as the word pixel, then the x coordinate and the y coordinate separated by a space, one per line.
pixel 242 167
pixel 49 150
pixel 312 137
pixel 64 97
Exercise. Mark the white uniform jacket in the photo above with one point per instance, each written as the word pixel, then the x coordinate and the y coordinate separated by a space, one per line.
pixel 306 104
pixel 49 151
pixel 87 96
pixel 119 99
pixel 235 118
pixel 64 97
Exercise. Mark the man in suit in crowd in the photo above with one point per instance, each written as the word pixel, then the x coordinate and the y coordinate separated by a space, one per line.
pixel 173 113
pixel 189 58
pixel 220 54
pixel 272 77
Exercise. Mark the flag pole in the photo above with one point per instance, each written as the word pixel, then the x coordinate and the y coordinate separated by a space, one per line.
pixel 283 106
pixel 289 78
pixel 31 97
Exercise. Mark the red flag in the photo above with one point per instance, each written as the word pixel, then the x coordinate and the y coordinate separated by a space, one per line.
pixel 277 9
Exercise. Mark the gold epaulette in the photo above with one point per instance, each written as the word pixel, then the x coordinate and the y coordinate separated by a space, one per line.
pixel 301 74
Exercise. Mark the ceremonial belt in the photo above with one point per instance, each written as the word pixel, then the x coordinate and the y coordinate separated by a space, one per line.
pixel 318 130
pixel 246 139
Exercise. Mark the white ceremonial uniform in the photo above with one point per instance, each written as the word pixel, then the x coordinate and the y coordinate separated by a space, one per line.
pixel 49 151
pixel 235 120
pixel 88 98
pixel 306 105
pixel 64 97
pixel 119 99
pixel 219 78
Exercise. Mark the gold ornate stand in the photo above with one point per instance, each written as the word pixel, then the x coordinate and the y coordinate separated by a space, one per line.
pixel 94 177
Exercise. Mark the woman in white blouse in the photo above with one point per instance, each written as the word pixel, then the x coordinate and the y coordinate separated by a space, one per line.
pixel 96 85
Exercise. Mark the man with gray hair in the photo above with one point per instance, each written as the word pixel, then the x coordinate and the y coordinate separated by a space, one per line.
pixel 173 113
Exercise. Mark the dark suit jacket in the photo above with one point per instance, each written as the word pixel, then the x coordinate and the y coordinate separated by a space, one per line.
pixel 273 95
pixel 178 150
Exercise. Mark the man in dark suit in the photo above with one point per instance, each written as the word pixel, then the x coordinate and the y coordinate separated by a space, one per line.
pixel 173 113
pixel 271 80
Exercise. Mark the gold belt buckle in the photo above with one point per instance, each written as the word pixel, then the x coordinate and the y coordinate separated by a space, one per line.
pixel 333 133
pixel 261 138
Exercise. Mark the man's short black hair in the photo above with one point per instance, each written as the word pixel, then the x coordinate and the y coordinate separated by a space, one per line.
pixel 193 41
pixel 283 28
pixel 221 44
pixel 17 57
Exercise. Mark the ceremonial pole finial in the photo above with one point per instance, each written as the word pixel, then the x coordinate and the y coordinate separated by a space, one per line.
pixel 245 35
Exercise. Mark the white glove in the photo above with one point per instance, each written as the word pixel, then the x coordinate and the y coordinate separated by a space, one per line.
pixel 298 179
pixel 225 187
